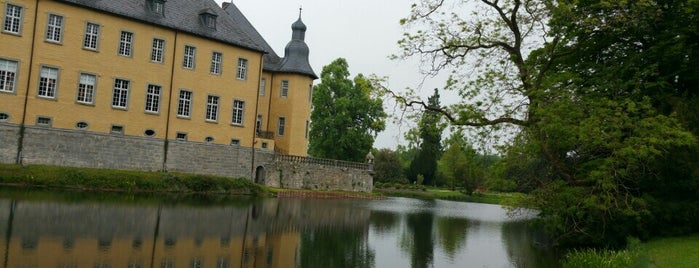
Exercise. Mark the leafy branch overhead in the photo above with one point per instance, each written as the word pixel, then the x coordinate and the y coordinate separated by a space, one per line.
pixel 601 94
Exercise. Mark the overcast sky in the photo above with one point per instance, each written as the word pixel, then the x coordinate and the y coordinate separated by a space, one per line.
pixel 365 32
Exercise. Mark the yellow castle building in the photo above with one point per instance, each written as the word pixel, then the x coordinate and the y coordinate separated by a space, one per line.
pixel 132 83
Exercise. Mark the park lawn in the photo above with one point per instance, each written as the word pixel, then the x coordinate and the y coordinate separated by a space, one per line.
pixel 675 252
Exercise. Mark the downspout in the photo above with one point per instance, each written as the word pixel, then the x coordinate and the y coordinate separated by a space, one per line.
pixel 254 126
pixel 167 120
pixel 20 141
pixel 269 108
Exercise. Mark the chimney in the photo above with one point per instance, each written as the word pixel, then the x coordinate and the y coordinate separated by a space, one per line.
pixel 224 5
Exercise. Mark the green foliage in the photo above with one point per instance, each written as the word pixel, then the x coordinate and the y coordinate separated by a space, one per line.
pixel 430 129
pixel 388 167
pixel 347 115
pixel 633 256
pixel 604 105
pixel 461 165
pixel 123 180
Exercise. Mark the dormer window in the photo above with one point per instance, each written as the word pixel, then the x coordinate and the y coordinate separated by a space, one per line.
pixel 157 6
pixel 208 18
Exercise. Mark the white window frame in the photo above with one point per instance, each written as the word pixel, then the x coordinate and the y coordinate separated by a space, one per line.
pixel 157 51
pixel 86 88
pixel 120 93
pixel 281 126
pixel 184 103
pixel 92 34
pixel 8 75
pixel 216 62
pixel 54 28
pixel 189 57
pixel 212 108
pixel 242 73
pixel 153 98
pixel 13 19
pixel 126 43
pixel 284 89
pixel 48 82
pixel 238 114
pixel 263 86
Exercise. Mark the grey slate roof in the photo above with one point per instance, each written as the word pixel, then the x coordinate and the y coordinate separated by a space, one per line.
pixel 295 54
pixel 181 15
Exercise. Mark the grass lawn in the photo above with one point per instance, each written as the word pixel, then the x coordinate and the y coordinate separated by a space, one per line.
pixel 445 194
pixel 675 252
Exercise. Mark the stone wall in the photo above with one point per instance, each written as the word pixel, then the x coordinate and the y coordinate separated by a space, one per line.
pixel 214 159
pixel 9 136
pixel 59 147
pixel 50 146
pixel 294 175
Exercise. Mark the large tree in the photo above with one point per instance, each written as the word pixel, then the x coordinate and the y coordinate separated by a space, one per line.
pixel 430 130
pixel 593 87
pixel 347 115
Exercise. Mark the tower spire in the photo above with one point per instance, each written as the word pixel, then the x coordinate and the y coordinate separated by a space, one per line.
pixel 300 9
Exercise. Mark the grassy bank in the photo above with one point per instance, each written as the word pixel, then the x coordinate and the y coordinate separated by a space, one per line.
pixel 432 193
pixel 674 252
pixel 89 179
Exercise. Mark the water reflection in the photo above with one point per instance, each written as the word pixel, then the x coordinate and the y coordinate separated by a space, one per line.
pixel 263 233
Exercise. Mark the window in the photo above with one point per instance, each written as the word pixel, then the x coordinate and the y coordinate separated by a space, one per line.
pixel 216 59
pixel 181 136
pixel 81 125
pixel 209 139
pixel 43 121
pixel 117 129
pixel 235 141
pixel 157 6
pixel 121 93
pixel 242 69
pixel 189 54
pixel 308 125
pixel 208 19
pixel 125 44
pixel 238 111
pixel 92 32
pixel 4 117
pixel 310 92
pixel 212 108
pixel 263 85
pixel 48 81
pixel 284 92
pixel 54 28
pixel 13 19
pixel 280 126
pixel 265 145
pixel 258 124
pixel 156 53
pixel 185 103
pixel 153 99
pixel 8 74
pixel 86 88
pixel 149 132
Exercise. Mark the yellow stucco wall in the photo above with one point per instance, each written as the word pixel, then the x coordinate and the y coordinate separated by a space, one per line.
pixel 15 47
pixel 295 108
pixel 72 59
pixel 226 86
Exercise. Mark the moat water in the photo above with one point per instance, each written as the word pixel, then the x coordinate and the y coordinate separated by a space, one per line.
pixel 41 229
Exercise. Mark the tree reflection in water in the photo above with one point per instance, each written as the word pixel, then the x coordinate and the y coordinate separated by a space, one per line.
pixel 396 232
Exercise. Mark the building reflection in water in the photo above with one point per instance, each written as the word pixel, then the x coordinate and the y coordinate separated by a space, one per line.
pixel 261 234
